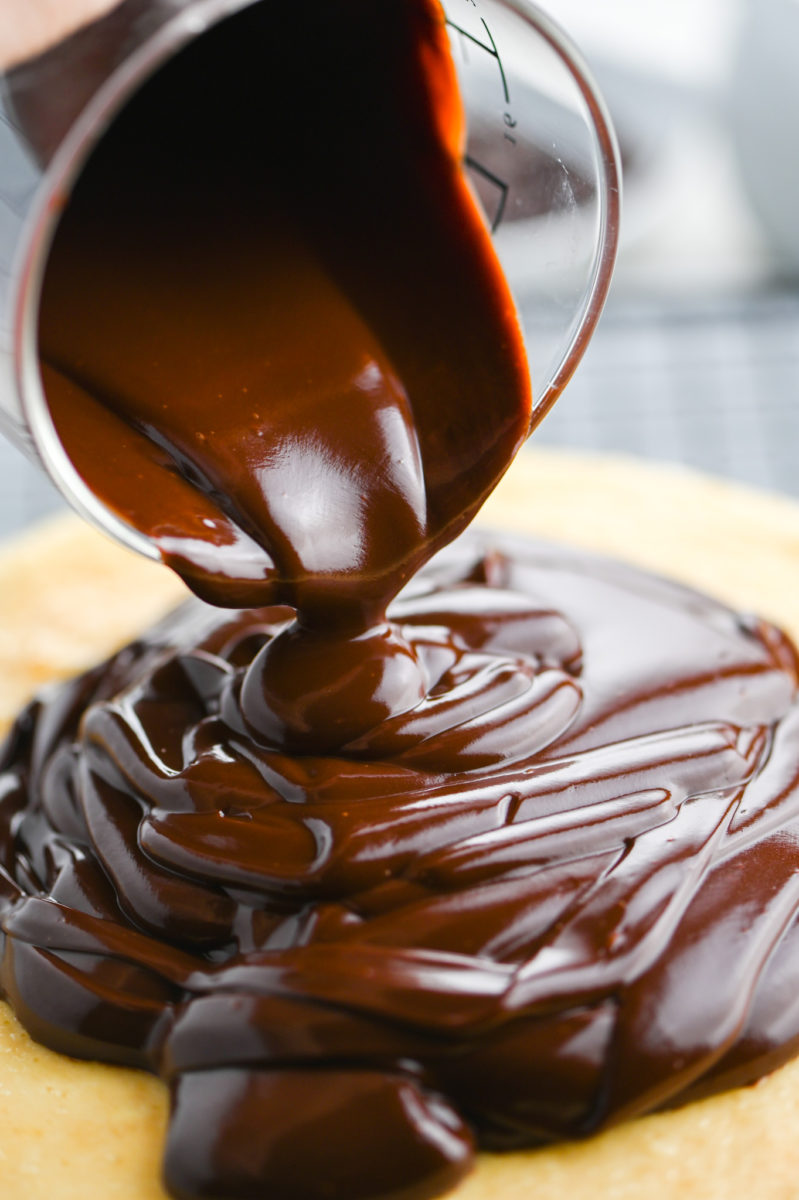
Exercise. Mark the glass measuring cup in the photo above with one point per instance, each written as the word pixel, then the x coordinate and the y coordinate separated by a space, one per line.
pixel 55 140
pixel 543 158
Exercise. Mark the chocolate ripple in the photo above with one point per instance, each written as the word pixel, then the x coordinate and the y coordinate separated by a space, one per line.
pixel 559 891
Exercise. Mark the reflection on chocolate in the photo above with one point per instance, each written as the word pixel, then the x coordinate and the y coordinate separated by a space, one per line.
pixel 369 878
pixel 274 333
pixel 559 891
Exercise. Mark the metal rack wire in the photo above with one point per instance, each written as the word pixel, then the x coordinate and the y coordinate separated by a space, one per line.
pixel 714 385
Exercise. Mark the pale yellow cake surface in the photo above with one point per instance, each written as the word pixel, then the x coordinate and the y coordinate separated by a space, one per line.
pixel 72 1130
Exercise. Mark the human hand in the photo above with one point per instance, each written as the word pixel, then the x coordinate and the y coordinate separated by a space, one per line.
pixel 29 26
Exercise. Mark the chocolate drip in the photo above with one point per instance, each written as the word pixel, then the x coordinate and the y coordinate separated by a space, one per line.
pixel 291 358
pixel 277 339
pixel 557 891
pixel 368 883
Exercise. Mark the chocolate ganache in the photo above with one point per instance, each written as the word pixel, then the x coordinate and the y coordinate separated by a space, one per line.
pixel 560 892
pixel 274 333
pixel 407 859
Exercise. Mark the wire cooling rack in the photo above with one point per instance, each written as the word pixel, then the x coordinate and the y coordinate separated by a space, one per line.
pixel 714 385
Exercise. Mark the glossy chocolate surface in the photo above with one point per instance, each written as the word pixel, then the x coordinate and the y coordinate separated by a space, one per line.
pixel 369 880
pixel 274 333
pixel 560 891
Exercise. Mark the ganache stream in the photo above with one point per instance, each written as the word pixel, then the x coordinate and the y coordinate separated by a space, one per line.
pixel 485 852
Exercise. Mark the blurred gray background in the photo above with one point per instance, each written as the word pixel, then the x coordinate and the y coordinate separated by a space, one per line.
pixel 696 359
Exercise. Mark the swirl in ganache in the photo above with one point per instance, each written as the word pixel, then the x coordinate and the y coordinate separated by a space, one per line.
pixel 559 891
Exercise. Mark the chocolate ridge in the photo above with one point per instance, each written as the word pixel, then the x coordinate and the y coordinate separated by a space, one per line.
pixel 470 949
